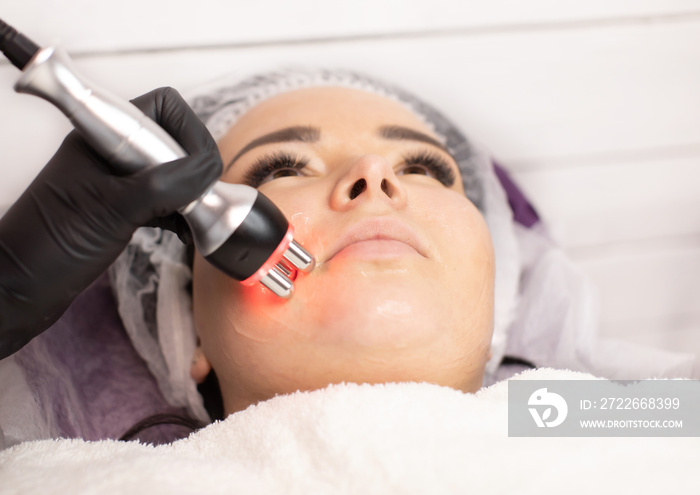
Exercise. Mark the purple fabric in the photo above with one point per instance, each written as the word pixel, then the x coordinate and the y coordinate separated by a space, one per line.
pixel 87 376
pixel 523 211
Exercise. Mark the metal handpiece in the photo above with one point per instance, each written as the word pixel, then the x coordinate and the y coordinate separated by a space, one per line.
pixel 131 141
pixel 126 138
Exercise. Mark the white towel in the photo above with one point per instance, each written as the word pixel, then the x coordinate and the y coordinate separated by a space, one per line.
pixel 364 439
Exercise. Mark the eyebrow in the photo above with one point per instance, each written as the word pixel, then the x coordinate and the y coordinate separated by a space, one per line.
pixel 305 134
pixel 400 133
pixel 308 134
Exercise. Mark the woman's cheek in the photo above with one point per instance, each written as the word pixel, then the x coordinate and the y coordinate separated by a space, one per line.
pixel 255 313
pixel 449 219
pixel 464 248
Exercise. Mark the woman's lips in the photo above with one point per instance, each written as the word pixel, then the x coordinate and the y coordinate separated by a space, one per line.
pixel 378 238
pixel 376 249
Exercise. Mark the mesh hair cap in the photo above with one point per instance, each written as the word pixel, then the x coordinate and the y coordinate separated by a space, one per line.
pixel 150 278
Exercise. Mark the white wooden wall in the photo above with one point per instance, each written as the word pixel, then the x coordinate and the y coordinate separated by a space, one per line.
pixel 594 106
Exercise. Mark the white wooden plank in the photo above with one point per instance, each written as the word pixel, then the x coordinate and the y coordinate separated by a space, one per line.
pixel 89 26
pixel 617 202
pixel 534 99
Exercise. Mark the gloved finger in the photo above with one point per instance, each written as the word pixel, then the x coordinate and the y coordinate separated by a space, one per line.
pixel 159 191
pixel 167 107
pixel 174 223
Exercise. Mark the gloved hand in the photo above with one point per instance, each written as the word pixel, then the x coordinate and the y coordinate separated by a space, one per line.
pixel 77 216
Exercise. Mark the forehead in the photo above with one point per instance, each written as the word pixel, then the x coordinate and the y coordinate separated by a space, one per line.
pixel 333 109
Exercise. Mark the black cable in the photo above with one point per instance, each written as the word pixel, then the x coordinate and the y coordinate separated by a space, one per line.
pixel 161 419
pixel 516 360
pixel 17 48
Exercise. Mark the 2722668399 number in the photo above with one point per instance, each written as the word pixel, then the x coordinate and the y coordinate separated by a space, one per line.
pixel 640 403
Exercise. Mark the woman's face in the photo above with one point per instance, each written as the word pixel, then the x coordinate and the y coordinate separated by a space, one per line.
pixel 403 286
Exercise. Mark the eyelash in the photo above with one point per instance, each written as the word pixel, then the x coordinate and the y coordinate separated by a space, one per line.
pixel 268 164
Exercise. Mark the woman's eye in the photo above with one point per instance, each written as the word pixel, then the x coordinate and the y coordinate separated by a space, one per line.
pixel 285 172
pixel 274 166
pixel 429 164
pixel 414 170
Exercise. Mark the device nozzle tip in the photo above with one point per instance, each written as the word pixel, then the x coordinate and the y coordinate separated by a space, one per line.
pixel 280 277
pixel 299 257
pixel 278 282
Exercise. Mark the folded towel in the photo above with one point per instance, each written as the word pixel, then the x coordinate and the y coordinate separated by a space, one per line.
pixel 350 438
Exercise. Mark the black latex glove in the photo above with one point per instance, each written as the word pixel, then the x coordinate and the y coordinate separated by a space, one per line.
pixel 78 215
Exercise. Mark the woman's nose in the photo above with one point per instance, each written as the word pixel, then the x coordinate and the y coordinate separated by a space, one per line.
pixel 369 179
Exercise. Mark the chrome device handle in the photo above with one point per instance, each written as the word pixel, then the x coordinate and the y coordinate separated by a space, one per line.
pixel 131 141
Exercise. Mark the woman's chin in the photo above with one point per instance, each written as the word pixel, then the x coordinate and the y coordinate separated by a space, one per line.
pixel 374 310
pixel 377 332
